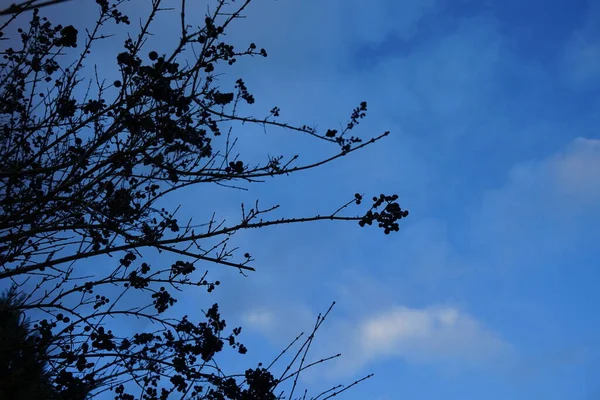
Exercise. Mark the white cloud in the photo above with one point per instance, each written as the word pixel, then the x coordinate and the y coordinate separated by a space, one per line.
pixel 543 211
pixel 261 319
pixel 577 171
pixel 280 322
pixel 438 335
pixel 568 179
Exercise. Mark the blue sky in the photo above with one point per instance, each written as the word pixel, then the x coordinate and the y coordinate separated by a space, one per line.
pixel 489 289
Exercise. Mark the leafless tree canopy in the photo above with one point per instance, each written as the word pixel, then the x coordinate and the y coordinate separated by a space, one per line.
pixel 85 164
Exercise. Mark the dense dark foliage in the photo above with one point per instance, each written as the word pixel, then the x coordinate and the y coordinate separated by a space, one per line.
pixel 83 170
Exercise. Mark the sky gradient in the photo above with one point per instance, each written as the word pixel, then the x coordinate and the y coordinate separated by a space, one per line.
pixel 489 291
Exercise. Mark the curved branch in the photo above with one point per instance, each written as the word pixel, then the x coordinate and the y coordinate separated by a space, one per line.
pixel 29 5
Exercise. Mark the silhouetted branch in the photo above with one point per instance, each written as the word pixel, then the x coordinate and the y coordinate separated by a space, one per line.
pixel 18 8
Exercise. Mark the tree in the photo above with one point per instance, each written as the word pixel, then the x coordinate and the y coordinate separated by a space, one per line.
pixel 23 358
pixel 84 172
pixel 22 368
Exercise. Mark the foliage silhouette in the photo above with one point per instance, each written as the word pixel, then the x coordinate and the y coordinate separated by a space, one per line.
pixel 83 174
pixel 23 358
